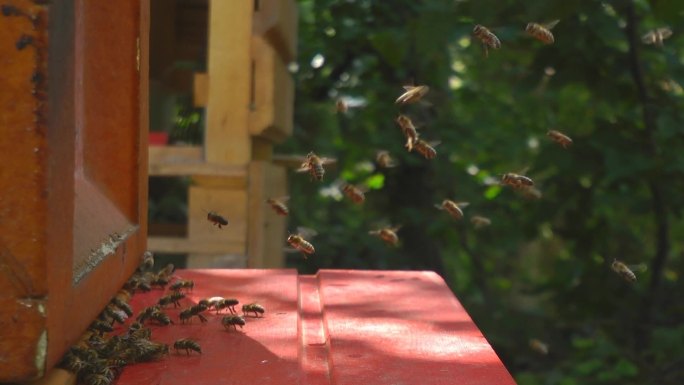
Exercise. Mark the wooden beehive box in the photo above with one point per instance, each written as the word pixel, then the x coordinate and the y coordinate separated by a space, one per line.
pixel 73 181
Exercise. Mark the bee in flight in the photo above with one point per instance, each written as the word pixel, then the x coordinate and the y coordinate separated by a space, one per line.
pixel 516 181
pixel 412 94
pixel 387 234
pixel 314 165
pixel 188 345
pixel 559 138
pixel 626 272
pixel 427 150
pixel 480 221
pixel 216 219
pixel 384 159
pixel 541 32
pixel 408 129
pixel 355 194
pixel 341 106
pixel 453 208
pixel 539 346
pixel 657 36
pixel 300 244
pixel 488 39
pixel 278 205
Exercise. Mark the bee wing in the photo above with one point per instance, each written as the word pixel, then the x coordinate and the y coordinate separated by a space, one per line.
pixel 434 143
pixel 462 204
pixel 439 207
pixel 551 24
pixel 665 32
pixel 282 199
pixel 303 168
pixel 649 38
pixel 327 160
pixel 640 268
pixel 408 88
pixel 306 232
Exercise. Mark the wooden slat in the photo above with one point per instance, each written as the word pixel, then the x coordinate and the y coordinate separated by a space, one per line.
pixel 187 161
pixel 227 140
pixel 273 94
pixel 177 245
pixel 276 20
pixel 200 89
pixel 266 230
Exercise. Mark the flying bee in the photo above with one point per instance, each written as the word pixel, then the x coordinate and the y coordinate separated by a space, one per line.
pixel 384 159
pixel 657 36
pixel 278 205
pixel 539 346
pixel 314 166
pixel 341 106
pixel 188 345
pixel 408 129
pixel 480 221
pixel 488 39
pixel 541 32
pixel 300 244
pixel 233 320
pixel 453 208
pixel 355 194
pixel 147 261
pixel 216 219
pixel 229 303
pixel 626 272
pixel 253 308
pixel 412 94
pixel 427 150
pixel 182 284
pixel 387 234
pixel 516 181
pixel 559 138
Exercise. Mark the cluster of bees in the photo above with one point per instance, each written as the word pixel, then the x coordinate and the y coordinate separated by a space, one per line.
pixel 99 357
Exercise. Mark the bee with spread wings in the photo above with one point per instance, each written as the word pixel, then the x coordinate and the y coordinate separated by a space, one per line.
pixel 541 32
pixel 298 243
pixel 657 36
pixel 314 165
pixel 412 94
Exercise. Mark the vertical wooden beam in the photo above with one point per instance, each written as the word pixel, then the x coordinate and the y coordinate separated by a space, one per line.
pixel 265 229
pixel 229 66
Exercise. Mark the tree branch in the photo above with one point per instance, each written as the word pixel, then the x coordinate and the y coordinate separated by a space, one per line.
pixel 649 116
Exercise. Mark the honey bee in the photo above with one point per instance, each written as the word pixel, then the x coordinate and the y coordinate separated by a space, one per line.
pixel 300 244
pixel 182 284
pixel 516 181
pixel 188 345
pixel 387 234
pixel 101 327
pixel 559 138
pixel 161 318
pixel 233 320
pixel 657 36
pixel 488 39
pixel 384 160
pixel 116 315
pixel 173 298
pixel 426 149
pixel 146 313
pixel 341 106
pixel 216 219
pixel 412 94
pixel 408 129
pixel 226 303
pixel 278 205
pixel 453 208
pixel 355 194
pixel 480 222
pixel 147 261
pixel 118 302
pixel 626 272
pixel 541 32
pixel 145 350
pixel 253 308
pixel 188 313
pixel 539 346
pixel 314 166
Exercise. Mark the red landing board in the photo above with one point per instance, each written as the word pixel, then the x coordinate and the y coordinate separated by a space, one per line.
pixel 335 328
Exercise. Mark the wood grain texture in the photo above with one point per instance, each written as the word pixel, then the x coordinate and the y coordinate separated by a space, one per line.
pixel 266 232
pixel 276 21
pixel 227 139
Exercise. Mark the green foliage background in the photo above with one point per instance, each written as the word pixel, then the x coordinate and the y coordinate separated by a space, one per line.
pixel 541 270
